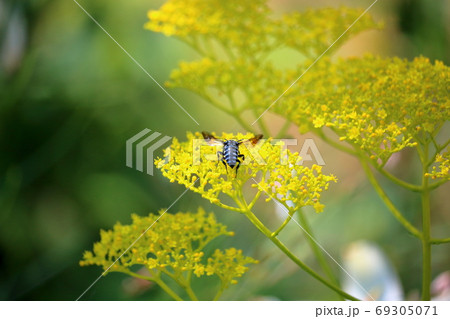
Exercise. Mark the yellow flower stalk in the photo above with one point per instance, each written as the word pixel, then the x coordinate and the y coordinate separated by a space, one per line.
pixel 376 107
pixel 381 106
pixel 269 167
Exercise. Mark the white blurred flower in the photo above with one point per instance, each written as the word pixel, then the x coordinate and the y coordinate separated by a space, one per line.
pixel 368 265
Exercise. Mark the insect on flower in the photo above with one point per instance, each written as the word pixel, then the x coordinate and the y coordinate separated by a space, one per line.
pixel 230 155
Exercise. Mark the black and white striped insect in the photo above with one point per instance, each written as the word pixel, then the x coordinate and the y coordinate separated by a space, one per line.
pixel 230 154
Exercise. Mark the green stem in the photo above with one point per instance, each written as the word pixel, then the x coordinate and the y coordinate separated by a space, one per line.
pixel 395 212
pixel 253 202
pixel 262 124
pixel 283 129
pixel 336 145
pixel 438 241
pixel 438 149
pixel 183 284
pixel 240 200
pixel 227 207
pixel 437 184
pixel 426 230
pixel 244 124
pixel 216 103
pixel 188 287
pixel 194 44
pixel 219 292
pixel 316 249
pixel 232 112
pixel 420 151
pixel 159 282
pixel 169 291
pixel 231 99
pixel 412 187
pixel 441 147
pixel 209 47
pixel 255 221
pixel 228 51
pixel 286 221
pixel 272 236
pixel 191 293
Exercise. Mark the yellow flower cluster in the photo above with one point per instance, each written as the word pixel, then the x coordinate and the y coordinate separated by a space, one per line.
pixel 270 168
pixel 173 245
pixel 248 34
pixel 223 264
pixel 224 21
pixel 441 167
pixel 379 105
pixel 247 27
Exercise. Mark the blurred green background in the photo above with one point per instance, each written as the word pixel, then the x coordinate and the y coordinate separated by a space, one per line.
pixel 70 98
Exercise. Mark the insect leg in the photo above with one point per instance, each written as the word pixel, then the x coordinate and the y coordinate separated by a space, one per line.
pixel 238 162
pixel 221 158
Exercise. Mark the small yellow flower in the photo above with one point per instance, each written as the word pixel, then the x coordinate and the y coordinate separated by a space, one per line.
pixel 318 122
pixel 223 264
pixel 441 167
pixel 353 133
pixel 199 270
pixel 152 263
pixel 226 21
pixel 179 251
pixel 318 207
pixel 397 108
pixel 265 165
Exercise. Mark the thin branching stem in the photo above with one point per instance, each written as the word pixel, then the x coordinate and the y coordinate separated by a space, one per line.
pixel 182 283
pixel 255 221
pixel 156 279
pixel 266 232
pixel 335 144
pixel 398 181
pixel 315 248
pixel 438 241
pixel 395 212
pixel 426 229
pixel 282 132
pixel 219 292
pixel 286 221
